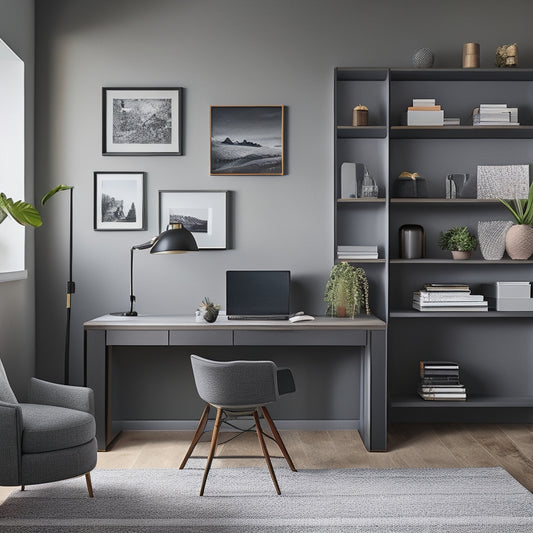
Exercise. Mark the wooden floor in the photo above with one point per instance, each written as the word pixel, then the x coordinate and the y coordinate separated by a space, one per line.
pixel 410 446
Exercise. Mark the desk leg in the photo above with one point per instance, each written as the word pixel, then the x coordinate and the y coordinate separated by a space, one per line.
pixel 96 379
pixel 373 415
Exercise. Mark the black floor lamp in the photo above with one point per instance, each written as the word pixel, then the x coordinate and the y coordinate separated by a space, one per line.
pixel 71 286
pixel 175 240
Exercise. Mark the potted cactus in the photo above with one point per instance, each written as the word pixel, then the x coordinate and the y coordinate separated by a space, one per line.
pixel 209 310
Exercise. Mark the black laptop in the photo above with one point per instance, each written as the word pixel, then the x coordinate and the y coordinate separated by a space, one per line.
pixel 258 294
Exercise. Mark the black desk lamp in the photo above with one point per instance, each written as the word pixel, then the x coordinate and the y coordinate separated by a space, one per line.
pixel 175 240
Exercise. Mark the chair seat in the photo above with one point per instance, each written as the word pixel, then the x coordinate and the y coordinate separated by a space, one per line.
pixel 48 428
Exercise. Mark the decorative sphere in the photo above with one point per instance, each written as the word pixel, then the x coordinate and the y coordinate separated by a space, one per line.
pixel 423 58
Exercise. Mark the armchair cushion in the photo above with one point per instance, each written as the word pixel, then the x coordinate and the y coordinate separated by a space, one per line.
pixel 6 392
pixel 69 396
pixel 48 428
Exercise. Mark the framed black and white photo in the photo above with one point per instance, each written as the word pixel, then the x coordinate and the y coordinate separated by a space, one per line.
pixel 119 201
pixel 203 213
pixel 142 121
pixel 247 140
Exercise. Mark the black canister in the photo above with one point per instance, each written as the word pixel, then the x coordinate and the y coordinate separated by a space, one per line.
pixel 412 241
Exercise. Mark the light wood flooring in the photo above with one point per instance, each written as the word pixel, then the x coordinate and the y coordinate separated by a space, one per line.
pixel 410 446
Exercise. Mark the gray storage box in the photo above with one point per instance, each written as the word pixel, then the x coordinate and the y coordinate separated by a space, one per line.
pixel 510 304
pixel 508 289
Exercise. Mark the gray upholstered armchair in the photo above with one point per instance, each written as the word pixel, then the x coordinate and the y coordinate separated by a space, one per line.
pixel 52 437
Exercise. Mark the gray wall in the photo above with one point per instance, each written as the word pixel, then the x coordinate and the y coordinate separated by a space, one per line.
pixel 222 52
pixel 17 298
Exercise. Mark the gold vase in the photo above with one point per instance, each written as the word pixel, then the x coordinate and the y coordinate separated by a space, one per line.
pixel 519 241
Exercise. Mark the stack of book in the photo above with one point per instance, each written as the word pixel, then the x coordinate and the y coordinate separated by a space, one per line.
pixel 425 112
pixel 348 253
pixel 439 380
pixel 495 115
pixel 448 297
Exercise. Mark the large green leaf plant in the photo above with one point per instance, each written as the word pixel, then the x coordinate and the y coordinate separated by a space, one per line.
pixel 23 212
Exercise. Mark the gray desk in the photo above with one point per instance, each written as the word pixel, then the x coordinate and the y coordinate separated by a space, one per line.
pixel 366 334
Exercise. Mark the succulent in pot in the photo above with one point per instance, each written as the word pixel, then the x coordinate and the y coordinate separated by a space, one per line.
pixel 459 241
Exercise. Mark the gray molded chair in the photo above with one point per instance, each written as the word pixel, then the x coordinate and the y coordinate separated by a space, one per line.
pixel 53 437
pixel 235 389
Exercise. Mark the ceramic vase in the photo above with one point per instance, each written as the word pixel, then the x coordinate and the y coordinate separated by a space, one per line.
pixel 519 241
pixel 491 235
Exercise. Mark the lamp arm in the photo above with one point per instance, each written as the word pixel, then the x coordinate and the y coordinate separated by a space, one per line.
pixel 143 246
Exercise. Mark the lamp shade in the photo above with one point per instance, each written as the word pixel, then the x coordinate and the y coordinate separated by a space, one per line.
pixel 175 240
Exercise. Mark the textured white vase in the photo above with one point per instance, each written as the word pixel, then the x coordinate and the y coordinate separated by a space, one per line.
pixel 519 241
pixel 491 236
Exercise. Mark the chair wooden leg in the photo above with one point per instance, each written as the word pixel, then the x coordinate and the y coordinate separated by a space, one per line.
pixel 199 432
pixel 214 438
pixel 89 484
pixel 277 437
pixel 265 451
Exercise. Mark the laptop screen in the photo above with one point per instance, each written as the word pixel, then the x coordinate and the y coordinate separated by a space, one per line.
pixel 258 293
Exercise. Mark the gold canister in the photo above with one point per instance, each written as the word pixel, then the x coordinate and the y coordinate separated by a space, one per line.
pixel 471 55
pixel 360 116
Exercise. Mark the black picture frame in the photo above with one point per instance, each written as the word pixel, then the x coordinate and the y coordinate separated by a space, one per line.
pixel 204 213
pixel 119 201
pixel 142 121
pixel 247 140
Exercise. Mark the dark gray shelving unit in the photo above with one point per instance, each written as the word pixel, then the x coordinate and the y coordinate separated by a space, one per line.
pixel 492 348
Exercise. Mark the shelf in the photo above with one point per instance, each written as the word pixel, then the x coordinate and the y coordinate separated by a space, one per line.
pixel 447 201
pixel 426 261
pixel 451 74
pixel 359 261
pixel 362 132
pixel 361 74
pixel 474 401
pixel 361 200
pixel 461 132
pixel 413 313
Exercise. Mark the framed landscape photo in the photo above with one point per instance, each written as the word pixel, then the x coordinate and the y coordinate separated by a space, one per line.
pixel 247 140
pixel 119 201
pixel 142 121
pixel 203 213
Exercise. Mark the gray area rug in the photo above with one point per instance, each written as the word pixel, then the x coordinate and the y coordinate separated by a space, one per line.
pixel 461 500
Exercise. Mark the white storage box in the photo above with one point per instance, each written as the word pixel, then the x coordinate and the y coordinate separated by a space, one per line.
pixel 508 289
pixel 510 304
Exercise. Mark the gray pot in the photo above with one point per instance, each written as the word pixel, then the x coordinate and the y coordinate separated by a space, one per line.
pixel 491 236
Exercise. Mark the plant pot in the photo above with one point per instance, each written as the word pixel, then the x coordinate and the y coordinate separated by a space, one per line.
pixel 211 315
pixel 460 256
pixel 491 235
pixel 519 241
pixel 341 311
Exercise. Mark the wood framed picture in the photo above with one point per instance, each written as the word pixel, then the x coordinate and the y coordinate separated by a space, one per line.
pixel 119 201
pixel 142 121
pixel 203 213
pixel 247 140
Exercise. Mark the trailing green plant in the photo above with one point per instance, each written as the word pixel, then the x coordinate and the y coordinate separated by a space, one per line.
pixel 457 239
pixel 521 208
pixel 347 287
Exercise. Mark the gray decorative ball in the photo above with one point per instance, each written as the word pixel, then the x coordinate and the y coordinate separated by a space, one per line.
pixel 423 58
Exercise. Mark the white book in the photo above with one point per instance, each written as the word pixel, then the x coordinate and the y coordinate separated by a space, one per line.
pixel 456 303
pixel 369 248
pixel 426 309
pixel 425 118
pixel 423 102
pixel 447 297
pixel 492 106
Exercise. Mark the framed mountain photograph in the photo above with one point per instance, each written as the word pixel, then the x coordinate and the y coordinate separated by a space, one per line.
pixel 247 140
pixel 142 121
pixel 203 213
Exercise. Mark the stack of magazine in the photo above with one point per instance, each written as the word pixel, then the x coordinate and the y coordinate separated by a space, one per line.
pixel 448 297
pixel 439 380
pixel 348 253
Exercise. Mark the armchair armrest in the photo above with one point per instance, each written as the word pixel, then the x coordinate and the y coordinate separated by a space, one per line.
pixel 10 443
pixel 72 397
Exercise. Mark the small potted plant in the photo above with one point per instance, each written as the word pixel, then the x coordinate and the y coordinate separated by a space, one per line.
pixel 519 237
pixel 346 291
pixel 209 310
pixel 459 241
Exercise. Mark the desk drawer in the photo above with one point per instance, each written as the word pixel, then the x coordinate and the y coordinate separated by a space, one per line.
pixel 215 337
pixel 300 338
pixel 146 337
